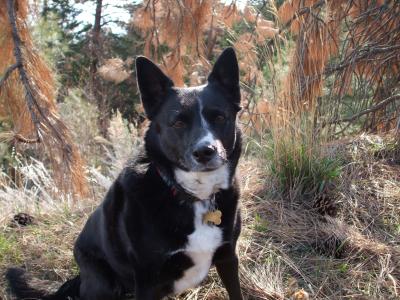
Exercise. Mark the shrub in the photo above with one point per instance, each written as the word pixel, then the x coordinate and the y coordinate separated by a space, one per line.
pixel 81 117
pixel 301 170
pixel 296 153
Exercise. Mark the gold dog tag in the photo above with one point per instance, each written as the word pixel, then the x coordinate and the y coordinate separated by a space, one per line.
pixel 213 217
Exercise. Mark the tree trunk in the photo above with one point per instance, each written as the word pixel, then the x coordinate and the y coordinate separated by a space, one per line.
pixel 96 86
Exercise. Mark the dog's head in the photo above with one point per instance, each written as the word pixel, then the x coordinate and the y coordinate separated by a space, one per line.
pixel 193 128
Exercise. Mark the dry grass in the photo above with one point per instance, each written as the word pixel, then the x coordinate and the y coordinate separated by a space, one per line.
pixel 284 247
pixel 356 254
pixel 44 247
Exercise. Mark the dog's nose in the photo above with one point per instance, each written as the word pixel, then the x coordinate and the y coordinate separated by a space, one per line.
pixel 204 153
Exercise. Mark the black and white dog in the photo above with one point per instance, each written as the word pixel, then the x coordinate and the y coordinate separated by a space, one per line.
pixel 158 231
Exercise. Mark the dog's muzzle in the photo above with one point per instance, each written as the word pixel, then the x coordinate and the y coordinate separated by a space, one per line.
pixel 204 153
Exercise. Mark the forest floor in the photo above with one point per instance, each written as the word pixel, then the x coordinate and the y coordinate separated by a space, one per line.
pixel 288 249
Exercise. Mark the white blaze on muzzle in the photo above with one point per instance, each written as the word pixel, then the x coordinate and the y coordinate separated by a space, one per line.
pixel 208 137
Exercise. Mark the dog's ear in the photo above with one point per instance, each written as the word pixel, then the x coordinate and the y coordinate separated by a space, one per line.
pixel 225 73
pixel 153 85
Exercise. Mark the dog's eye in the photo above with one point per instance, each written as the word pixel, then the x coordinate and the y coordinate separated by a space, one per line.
pixel 179 124
pixel 220 119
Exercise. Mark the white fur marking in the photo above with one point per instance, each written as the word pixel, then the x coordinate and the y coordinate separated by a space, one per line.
pixel 203 184
pixel 208 138
pixel 201 246
pixel 203 121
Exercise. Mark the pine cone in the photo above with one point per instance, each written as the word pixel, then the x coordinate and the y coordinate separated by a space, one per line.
pixel 23 219
pixel 324 203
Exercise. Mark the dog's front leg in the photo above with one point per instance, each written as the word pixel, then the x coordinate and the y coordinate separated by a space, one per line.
pixel 145 294
pixel 144 290
pixel 228 271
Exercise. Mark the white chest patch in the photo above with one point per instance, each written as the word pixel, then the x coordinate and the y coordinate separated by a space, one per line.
pixel 203 184
pixel 200 247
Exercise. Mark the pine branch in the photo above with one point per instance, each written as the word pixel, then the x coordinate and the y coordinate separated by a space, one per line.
pixel 31 101
pixel 361 54
pixel 300 12
pixel 48 129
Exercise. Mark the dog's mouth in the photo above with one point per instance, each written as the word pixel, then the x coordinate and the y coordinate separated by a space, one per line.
pixel 205 170
pixel 190 164
pixel 210 166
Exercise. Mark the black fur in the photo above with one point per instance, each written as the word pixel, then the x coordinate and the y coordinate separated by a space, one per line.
pixel 19 286
pixel 126 243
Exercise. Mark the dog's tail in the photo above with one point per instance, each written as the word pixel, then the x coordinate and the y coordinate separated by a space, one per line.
pixel 20 288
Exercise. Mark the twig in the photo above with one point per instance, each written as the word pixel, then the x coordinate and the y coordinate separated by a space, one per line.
pixel 8 73
pixel 374 108
pixel 21 139
pixel 362 53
